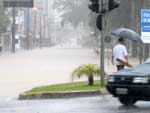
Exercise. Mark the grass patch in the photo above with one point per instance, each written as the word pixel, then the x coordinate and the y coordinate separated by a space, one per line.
pixel 76 86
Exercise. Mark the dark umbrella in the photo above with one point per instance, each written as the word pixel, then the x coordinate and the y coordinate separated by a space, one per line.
pixel 127 33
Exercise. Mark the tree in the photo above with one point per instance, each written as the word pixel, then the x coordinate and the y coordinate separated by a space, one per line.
pixel 78 14
pixel 72 11
pixel 89 70
pixel 4 20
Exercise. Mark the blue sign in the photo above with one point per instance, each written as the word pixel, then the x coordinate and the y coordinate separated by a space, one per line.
pixel 145 25
pixel 145 21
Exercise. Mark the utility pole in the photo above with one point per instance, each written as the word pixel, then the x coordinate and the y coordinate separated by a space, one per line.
pixel 13 30
pixel 141 45
pixel 102 49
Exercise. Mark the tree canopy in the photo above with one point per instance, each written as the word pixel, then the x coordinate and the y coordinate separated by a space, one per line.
pixel 73 11
pixel 4 20
pixel 89 70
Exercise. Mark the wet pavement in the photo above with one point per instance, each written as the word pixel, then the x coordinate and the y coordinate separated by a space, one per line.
pixel 96 104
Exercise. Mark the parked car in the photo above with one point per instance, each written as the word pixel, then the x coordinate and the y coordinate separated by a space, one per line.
pixel 131 85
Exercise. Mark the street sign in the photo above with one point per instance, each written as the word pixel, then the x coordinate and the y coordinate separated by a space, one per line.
pixel 18 3
pixel 145 25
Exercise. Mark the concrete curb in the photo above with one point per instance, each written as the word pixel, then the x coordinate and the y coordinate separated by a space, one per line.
pixel 59 95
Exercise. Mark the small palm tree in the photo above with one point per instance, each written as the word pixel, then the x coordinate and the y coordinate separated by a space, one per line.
pixel 90 70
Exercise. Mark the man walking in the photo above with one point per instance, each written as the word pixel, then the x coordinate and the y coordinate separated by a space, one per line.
pixel 120 55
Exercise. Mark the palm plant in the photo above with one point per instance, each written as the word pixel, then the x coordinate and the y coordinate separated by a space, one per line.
pixel 89 70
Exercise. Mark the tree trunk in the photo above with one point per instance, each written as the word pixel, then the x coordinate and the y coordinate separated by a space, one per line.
pixel 91 80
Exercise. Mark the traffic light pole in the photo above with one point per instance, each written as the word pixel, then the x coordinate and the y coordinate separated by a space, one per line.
pixel 102 55
pixel 101 25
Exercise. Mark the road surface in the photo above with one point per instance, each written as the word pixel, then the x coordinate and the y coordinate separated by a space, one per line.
pixel 96 104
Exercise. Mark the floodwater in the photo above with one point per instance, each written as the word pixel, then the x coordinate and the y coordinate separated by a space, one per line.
pixel 95 104
pixel 24 70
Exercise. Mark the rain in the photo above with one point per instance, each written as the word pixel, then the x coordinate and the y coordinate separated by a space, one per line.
pixel 42 43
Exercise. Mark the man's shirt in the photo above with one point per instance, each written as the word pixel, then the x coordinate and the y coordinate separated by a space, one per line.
pixel 119 51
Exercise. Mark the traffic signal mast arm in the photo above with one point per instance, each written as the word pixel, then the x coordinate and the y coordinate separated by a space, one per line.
pixel 112 4
pixel 94 7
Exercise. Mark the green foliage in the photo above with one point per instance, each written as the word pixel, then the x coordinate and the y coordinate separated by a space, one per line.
pixel 77 86
pixel 78 14
pixel 86 70
pixel 89 70
pixel 4 20
pixel 73 11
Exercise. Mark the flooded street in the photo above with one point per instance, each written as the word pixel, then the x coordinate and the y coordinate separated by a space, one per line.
pixel 43 41
pixel 24 70
pixel 96 104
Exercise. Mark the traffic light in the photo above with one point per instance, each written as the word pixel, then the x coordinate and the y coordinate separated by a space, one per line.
pixel 99 22
pixel 94 5
pixel 112 4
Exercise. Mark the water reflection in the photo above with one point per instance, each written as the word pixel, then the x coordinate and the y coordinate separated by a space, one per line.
pixel 141 107
pixel 75 105
pixel 123 107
